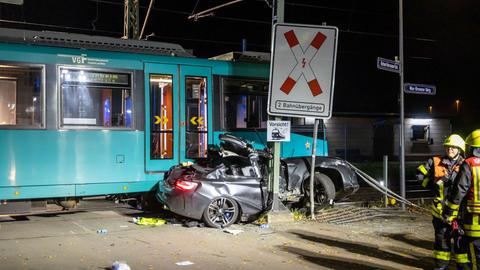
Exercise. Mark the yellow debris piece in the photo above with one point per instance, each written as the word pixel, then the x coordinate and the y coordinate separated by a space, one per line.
pixel 149 221
pixel 392 201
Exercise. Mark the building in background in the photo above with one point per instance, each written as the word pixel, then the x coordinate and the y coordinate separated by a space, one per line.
pixel 369 137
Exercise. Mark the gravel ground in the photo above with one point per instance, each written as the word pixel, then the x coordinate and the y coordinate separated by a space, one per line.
pixel 69 240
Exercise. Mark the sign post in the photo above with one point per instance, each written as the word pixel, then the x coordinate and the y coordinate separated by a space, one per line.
pixel 302 73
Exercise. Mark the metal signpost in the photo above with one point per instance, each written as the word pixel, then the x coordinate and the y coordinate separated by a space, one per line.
pixel 422 89
pixel 302 73
pixel 402 102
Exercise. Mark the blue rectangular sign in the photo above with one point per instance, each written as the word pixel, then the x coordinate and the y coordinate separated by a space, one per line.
pixel 388 65
pixel 422 89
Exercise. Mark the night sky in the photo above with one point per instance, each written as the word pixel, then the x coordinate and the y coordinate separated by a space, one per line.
pixel 441 42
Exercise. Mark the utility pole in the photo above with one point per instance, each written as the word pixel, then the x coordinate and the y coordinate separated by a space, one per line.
pixel 279 212
pixel 402 101
pixel 277 17
pixel 130 19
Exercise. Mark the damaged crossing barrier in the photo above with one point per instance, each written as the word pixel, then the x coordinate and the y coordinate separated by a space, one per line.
pixel 393 197
pixel 149 221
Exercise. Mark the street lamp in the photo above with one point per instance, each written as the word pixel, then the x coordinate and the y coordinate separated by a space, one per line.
pixel 457 103
pixel 430 108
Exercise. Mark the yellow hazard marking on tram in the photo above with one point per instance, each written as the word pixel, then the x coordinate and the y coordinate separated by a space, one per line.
pixel 160 120
pixel 196 120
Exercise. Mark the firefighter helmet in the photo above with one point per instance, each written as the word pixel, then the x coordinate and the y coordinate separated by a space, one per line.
pixel 457 141
pixel 473 139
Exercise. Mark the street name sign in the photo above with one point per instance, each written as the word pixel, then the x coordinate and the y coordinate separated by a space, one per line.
pixel 388 65
pixel 422 89
pixel 278 131
pixel 302 70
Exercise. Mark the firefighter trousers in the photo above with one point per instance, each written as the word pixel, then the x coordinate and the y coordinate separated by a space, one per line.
pixel 443 246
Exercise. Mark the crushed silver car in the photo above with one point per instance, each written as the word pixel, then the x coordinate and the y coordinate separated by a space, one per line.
pixel 231 183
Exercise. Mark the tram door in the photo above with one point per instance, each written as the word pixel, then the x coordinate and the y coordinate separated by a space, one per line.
pixel 195 104
pixel 161 117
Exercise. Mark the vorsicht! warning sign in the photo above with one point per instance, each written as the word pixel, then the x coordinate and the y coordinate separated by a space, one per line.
pixel 302 70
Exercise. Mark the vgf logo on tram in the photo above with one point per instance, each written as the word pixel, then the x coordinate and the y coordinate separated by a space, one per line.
pixel 79 59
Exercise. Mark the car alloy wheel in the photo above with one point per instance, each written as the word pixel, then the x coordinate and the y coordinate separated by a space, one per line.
pixel 221 212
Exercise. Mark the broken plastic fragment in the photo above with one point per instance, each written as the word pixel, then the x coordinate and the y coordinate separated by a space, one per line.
pixel 234 232
pixel 184 263
pixel 149 221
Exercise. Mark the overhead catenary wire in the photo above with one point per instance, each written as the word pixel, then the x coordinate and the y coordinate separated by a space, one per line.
pixel 146 18
pixel 184 13
pixel 209 12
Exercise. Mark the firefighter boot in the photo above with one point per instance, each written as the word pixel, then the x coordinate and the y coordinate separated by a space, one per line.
pixel 441 264
pixel 463 266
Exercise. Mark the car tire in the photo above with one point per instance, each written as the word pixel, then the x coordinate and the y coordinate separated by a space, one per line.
pixel 324 189
pixel 221 212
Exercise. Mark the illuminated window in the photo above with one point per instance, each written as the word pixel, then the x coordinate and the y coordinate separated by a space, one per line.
pixel 421 133
pixel 245 103
pixel 21 96
pixel 161 120
pixel 96 99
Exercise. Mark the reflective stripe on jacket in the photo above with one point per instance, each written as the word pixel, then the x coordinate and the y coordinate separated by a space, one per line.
pixel 473 197
pixel 466 185
pixel 438 174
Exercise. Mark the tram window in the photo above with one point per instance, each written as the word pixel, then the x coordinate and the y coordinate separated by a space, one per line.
pixel 161 120
pixel 245 103
pixel 196 117
pixel 96 98
pixel 21 96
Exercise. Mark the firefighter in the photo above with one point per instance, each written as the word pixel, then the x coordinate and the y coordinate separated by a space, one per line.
pixel 466 188
pixel 437 174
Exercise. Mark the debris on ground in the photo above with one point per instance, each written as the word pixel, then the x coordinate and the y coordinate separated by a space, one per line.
pixel 149 221
pixel 102 231
pixel 232 231
pixel 193 223
pixel 120 265
pixel 264 226
pixel 184 263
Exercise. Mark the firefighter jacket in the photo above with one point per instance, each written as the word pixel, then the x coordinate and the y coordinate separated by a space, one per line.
pixel 466 186
pixel 438 174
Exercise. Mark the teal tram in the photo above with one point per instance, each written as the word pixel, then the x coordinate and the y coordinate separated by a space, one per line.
pixel 87 116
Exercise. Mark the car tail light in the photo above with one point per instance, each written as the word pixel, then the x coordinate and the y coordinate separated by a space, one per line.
pixel 185 185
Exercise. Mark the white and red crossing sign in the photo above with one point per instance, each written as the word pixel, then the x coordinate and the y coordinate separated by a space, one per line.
pixel 302 70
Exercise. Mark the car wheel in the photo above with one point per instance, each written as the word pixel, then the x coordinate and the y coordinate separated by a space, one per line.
pixel 221 212
pixel 324 189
